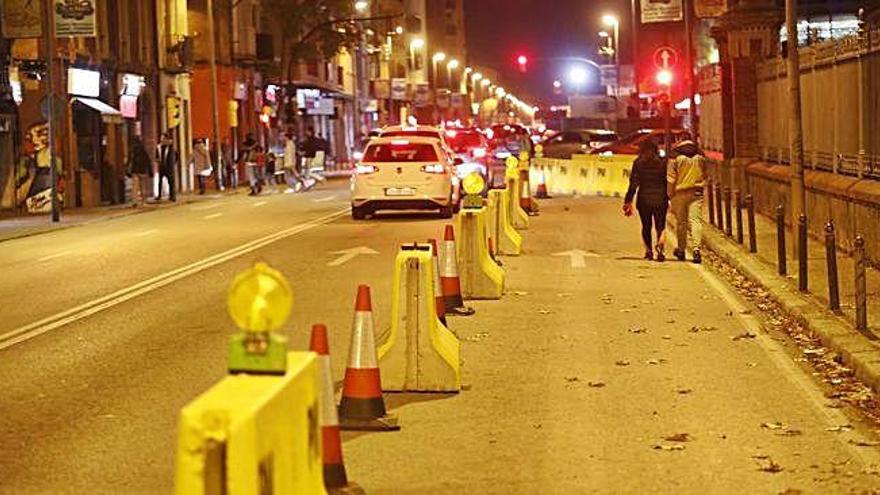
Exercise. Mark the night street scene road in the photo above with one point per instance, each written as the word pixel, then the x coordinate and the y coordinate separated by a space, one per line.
pixel 439 247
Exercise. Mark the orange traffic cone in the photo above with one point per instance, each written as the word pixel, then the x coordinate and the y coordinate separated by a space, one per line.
pixel 525 194
pixel 541 191
pixel 362 406
pixel 335 479
pixel 449 280
pixel 438 288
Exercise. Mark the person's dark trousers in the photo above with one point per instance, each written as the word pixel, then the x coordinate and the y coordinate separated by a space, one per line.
pixel 172 191
pixel 652 217
pixel 202 183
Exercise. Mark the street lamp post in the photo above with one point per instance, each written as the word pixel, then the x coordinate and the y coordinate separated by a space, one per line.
pixel 435 60
pixel 450 67
pixel 612 21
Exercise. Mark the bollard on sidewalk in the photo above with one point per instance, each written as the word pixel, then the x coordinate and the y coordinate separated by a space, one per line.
pixel 719 208
pixel 861 287
pixel 802 253
pixel 737 205
pixel 728 214
pixel 710 193
pixel 831 263
pixel 750 213
pixel 780 239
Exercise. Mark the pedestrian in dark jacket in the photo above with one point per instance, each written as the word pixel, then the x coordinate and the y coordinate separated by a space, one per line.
pixel 140 168
pixel 168 161
pixel 648 178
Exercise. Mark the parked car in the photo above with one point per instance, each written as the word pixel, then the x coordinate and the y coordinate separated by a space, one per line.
pixel 418 131
pixel 504 140
pixel 629 144
pixel 570 142
pixel 404 173
pixel 471 147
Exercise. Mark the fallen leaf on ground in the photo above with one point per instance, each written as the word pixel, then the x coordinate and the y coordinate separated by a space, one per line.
pixel 814 351
pixel 596 384
pixel 544 311
pixel 684 391
pixel 752 364
pixel 839 428
pixel 519 293
pixel 791 491
pixel 678 437
pixel 667 337
pixel 744 335
pixel 656 361
pixel 638 330
pixel 702 328
pixel 668 448
pixel 621 362
pixel 770 466
pixel 564 294
pixel 477 337
pixel 790 433
pixel 670 321
pixel 571 378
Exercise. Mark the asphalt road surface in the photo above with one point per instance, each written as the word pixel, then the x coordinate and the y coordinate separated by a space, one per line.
pixel 583 379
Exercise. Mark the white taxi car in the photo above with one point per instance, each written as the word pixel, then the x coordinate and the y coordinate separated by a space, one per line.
pixel 404 173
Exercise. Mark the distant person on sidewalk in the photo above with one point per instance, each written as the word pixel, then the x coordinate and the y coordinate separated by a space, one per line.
pixel 168 159
pixel 648 178
pixel 685 178
pixel 311 145
pixel 228 165
pixel 201 162
pixel 140 168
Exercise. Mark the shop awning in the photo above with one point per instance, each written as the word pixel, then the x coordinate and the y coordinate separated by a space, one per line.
pixel 108 113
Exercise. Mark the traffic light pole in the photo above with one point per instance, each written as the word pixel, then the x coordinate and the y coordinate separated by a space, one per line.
pixel 692 76
pixel 634 28
pixel 215 102
pixel 49 40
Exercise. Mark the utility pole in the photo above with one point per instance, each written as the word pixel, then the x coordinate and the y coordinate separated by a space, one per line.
pixel 215 103
pixel 692 76
pixel 49 40
pixel 634 29
pixel 795 129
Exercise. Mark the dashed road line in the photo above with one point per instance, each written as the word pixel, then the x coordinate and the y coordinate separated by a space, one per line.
pixel 53 256
pixel 145 233
pixel 206 207
pixel 212 216
pixel 260 203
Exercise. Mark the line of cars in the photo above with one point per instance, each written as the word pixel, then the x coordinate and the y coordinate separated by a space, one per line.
pixel 420 167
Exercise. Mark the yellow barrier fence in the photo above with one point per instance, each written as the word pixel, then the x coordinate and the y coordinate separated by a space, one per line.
pixel 583 174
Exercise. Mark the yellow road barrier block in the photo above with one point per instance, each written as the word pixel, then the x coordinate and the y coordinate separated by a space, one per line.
pixel 481 277
pixel 518 217
pixel 507 240
pixel 420 355
pixel 253 434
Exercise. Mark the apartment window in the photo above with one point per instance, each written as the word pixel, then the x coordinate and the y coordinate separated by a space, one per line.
pixel 312 68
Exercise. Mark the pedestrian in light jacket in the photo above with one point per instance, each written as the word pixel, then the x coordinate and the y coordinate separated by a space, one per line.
pixel 648 179
pixel 685 183
pixel 201 162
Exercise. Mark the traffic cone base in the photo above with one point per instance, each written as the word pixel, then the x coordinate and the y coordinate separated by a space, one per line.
pixel 334 469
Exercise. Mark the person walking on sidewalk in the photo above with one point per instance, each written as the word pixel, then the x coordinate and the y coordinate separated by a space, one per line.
pixel 648 178
pixel 168 159
pixel 140 168
pixel 201 163
pixel 685 179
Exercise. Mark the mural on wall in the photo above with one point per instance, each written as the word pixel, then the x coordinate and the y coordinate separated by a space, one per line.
pixel 33 181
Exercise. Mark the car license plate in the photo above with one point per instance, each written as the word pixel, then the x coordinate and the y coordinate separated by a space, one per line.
pixel 399 191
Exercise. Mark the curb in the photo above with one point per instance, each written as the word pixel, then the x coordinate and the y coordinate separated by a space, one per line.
pixel 857 351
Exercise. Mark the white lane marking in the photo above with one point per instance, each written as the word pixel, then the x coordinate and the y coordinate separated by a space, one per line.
pixel 53 256
pixel 577 257
pixel 259 203
pixel 206 207
pixel 212 216
pixel 324 200
pixel 779 357
pixel 145 233
pixel 350 254
pixel 84 310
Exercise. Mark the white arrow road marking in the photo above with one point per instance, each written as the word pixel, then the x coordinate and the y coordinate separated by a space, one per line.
pixel 205 207
pixel 324 200
pixel 212 216
pixel 259 203
pixel 350 254
pixel 53 256
pixel 145 233
pixel 577 257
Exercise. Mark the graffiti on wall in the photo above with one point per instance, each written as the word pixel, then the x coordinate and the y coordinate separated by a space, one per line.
pixel 33 177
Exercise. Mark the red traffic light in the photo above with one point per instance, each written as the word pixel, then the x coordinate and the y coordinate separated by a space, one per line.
pixel 664 77
pixel 522 61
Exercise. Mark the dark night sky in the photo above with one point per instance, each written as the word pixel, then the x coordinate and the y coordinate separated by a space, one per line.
pixel 499 30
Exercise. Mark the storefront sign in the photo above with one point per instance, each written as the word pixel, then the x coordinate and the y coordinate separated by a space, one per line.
pixel 398 89
pixel 21 19
pixel 240 91
pixel 322 106
pixel 233 113
pixel 710 8
pixel 132 84
pixel 128 106
pixel 74 18
pixel 661 11
pixel 83 82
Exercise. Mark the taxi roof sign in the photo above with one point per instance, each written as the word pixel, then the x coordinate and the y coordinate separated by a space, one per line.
pixel 260 299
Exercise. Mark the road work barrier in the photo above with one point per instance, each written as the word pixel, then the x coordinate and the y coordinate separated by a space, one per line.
pixel 507 240
pixel 420 354
pixel 518 217
pixel 449 279
pixel 481 277
pixel 362 406
pixel 583 174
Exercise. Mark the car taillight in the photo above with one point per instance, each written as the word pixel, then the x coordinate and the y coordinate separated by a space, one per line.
pixel 479 152
pixel 434 168
pixel 362 169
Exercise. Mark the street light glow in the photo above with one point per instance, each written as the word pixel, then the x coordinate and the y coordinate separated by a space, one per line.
pixel 453 64
pixel 417 43
pixel 485 82
pixel 398 30
pixel 439 57
pixel 578 76
pixel 609 20
pixel 603 34
pixel 361 5
pixel 477 76
pixel 557 84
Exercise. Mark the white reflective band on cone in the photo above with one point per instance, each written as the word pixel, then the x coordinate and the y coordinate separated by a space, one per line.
pixel 329 415
pixel 363 342
pixel 450 266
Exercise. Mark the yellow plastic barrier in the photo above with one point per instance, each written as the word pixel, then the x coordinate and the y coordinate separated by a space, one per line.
pixel 507 240
pixel 253 434
pixel 420 355
pixel 481 277
pixel 586 174
pixel 518 217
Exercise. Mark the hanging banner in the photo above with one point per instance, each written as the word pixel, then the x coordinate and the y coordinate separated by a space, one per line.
pixel 21 19
pixel 74 18
pixel 661 11
pixel 709 8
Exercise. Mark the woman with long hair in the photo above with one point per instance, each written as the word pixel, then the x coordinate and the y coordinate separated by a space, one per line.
pixel 648 179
